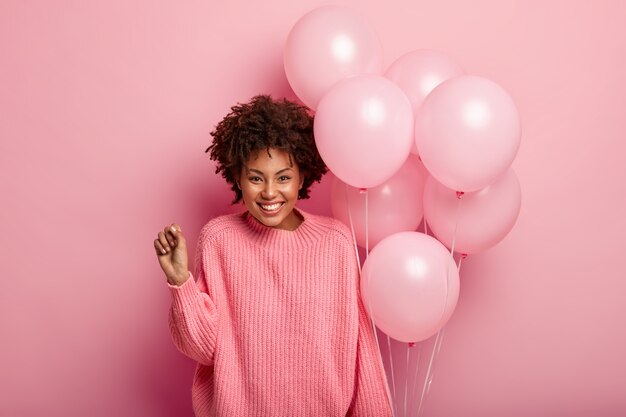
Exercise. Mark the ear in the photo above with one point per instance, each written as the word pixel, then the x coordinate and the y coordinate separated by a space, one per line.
pixel 301 182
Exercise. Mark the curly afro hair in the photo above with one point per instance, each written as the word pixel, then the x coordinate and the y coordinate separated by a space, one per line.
pixel 261 124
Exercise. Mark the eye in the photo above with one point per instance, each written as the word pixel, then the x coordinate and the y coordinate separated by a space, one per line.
pixel 284 178
pixel 254 179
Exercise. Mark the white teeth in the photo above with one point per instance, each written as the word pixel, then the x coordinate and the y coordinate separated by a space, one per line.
pixel 271 207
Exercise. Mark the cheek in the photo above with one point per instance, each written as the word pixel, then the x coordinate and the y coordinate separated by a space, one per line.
pixel 294 190
pixel 247 191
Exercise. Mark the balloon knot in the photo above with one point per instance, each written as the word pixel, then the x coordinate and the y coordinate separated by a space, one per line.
pixel 463 255
pixel 411 344
pixel 459 194
pixel 362 190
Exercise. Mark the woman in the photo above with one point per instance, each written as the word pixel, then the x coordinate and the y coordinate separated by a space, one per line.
pixel 272 313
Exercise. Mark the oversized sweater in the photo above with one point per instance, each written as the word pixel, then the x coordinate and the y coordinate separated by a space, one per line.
pixel 276 324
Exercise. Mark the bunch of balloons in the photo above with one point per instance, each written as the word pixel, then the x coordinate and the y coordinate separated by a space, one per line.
pixel 423 140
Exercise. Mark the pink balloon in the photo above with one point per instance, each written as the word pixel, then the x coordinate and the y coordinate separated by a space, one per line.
pixel 467 132
pixel 364 130
pixel 481 218
pixel 394 206
pixel 410 286
pixel 326 45
pixel 418 72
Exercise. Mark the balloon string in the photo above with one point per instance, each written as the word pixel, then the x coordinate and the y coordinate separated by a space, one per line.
pixel 439 337
pixel 393 378
pixel 356 250
pixel 419 356
pixel 424 218
pixel 367 251
pixel 406 376
pixel 436 348
pixel 429 377
pixel 367 232
pixel 456 224
pixel 380 355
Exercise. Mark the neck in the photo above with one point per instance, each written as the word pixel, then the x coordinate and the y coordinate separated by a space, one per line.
pixel 291 222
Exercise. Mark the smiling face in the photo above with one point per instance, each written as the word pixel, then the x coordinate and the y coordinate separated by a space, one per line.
pixel 270 185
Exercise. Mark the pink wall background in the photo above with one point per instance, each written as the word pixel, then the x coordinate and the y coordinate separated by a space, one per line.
pixel 105 113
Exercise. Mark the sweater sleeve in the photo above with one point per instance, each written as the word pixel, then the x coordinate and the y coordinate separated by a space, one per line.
pixel 371 390
pixel 193 314
pixel 370 393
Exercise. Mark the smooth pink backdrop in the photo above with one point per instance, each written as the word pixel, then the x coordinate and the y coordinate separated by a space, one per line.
pixel 105 113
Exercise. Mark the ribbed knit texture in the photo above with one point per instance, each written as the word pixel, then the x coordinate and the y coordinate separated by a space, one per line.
pixel 275 321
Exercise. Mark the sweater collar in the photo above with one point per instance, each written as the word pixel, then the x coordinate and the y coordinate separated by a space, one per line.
pixel 309 231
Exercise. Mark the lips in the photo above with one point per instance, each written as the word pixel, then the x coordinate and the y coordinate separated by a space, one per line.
pixel 271 208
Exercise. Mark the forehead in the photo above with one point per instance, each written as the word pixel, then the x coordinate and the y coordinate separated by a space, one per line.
pixel 267 159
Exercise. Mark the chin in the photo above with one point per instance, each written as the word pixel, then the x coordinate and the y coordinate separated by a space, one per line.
pixel 266 221
pixel 276 221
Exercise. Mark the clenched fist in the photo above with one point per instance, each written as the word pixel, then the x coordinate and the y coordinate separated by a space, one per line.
pixel 171 250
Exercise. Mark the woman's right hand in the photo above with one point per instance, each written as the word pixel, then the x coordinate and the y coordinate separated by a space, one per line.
pixel 171 250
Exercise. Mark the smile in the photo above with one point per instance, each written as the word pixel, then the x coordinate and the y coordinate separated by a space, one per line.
pixel 271 208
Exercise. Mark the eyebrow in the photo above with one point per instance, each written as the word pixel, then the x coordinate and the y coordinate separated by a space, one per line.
pixel 261 172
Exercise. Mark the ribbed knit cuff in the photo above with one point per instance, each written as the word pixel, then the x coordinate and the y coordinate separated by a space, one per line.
pixel 193 321
pixel 185 294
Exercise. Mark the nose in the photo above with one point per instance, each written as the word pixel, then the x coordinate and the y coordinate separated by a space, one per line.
pixel 269 191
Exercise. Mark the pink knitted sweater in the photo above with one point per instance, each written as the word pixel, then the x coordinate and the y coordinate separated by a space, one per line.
pixel 275 321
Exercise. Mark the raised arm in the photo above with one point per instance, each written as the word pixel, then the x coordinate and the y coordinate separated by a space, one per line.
pixel 193 317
